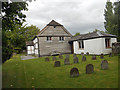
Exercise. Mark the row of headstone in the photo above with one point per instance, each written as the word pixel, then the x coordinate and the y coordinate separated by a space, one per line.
pixel 54 58
pixel 74 72
pixel 75 58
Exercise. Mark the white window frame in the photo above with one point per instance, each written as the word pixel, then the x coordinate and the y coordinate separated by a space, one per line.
pixel 81 44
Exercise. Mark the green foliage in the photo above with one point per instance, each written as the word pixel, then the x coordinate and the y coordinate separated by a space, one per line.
pixel 31 32
pixel 36 73
pixel 96 30
pixel 77 34
pixel 112 18
pixel 12 16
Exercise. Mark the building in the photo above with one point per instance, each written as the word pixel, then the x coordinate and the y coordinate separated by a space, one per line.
pixel 94 43
pixel 52 39
pixel 55 39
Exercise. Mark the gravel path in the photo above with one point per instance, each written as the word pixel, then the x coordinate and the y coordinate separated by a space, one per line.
pixel 27 57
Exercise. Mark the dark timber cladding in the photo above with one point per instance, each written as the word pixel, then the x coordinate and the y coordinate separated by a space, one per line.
pixel 53 38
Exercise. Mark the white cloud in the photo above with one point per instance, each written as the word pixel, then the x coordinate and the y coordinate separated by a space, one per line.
pixel 76 15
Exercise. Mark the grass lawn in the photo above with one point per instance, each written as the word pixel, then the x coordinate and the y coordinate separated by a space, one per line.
pixel 36 73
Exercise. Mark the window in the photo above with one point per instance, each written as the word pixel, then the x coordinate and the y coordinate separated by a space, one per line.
pixel 81 44
pixel 49 38
pixel 61 38
pixel 107 43
pixel 54 26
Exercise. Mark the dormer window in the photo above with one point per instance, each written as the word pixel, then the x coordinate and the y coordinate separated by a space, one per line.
pixel 49 38
pixel 61 38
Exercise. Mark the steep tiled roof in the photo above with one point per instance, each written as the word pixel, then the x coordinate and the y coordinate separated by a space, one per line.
pixel 91 36
pixel 54 32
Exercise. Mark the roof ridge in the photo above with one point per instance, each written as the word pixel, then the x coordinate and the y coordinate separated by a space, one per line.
pixel 54 23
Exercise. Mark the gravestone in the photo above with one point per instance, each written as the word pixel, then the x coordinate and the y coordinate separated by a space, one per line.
pixel 94 57
pixel 82 53
pixel 67 61
pixel 104 64
pixel 110 54
pixel 102 56
pixel 67 56
pixel 87 53
pixel 89 69
pixel 74 72
pixel 75 59
pixel 74 55
pixel 57 64
pixel 46 59
pixel 60 56
pixel 83 58
pixel 54 58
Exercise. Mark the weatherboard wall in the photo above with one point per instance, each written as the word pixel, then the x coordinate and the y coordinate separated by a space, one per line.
pixel 49 47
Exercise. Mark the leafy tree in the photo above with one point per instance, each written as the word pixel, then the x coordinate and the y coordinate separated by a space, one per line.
pixel 117 18
pixel 77 34
pixel 12 16
pixel 96 30
pixel 31 32
pixel 112 18
pixel 109 17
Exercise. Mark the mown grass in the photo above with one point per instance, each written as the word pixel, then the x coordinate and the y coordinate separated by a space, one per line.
pixel 36 73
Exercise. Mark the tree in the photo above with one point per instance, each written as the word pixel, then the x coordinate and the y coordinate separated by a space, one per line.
pixel 109 17
pixel 12 16
pixel 96 30
pixel 117 18
pixel 31 32
pixel 112 18
pixel 77 34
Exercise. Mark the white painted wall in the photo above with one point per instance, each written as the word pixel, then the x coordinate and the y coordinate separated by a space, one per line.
pixel 108 50
pixel 35 41
pixel 30 50
pixel 94 46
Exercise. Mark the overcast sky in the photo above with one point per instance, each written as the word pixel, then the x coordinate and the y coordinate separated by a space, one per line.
pixel 75 15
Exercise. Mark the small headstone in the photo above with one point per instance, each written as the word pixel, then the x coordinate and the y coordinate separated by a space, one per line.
pixel 67 61
pixel 110 54
pixel 75 59
pixel 104 64
pixel 57 64
pixel 74 55
pixel 74 72
pixel 94 57
pixel 87 53
pixel 83 58
pixel 46 59
pixel 60 56
pixel 54 58
pixel 102 56
pixel 67 56
pixel 82 53
pixel 89 69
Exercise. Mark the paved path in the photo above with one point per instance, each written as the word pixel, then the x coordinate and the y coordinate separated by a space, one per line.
pixel 27 57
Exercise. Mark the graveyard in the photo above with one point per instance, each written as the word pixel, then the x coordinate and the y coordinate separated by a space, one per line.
pixel 60 72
